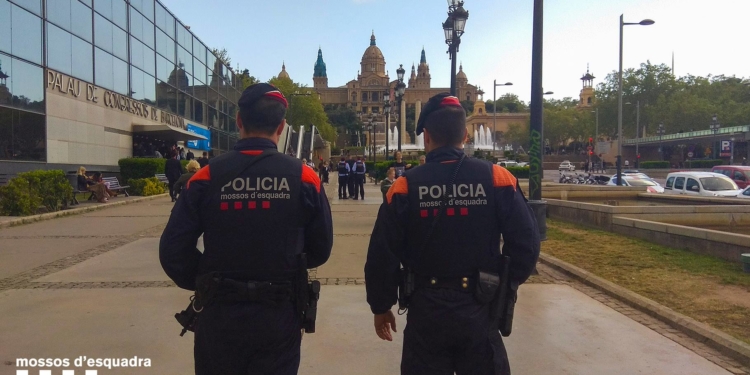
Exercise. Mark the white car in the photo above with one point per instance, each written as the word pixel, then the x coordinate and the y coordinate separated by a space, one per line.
pixel 745 193
pixel 637 180
pixel 705 184
pixel 566 166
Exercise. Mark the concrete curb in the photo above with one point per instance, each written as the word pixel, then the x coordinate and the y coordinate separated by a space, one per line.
pixel 73 211
pixel 720 341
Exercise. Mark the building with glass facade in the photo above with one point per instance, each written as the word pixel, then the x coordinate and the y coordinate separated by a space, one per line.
pixel 83 81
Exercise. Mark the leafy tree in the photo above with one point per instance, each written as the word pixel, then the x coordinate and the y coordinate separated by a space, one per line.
pixel 222 55
pixel 468 106
pixel 304 109
pixel 246 79
pixel 509 103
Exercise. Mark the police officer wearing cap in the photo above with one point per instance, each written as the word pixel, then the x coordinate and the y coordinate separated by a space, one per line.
pixel 257 210
pixel 442 223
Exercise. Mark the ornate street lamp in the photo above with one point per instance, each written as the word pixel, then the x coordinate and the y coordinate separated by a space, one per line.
pixel 454 29
pixel 645 22
pixel 660 131
pixel 400 89
pixel 714 126
pixel 371 133
pixel 387 110
pixel 494 112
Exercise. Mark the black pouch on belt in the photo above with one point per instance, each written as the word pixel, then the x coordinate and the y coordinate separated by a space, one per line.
pixel 487 287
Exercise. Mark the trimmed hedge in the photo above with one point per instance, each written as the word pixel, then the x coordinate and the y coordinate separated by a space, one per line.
pixel 25 193
pixel 654 165
pixel 703 163
pixel 146 186
pixel 519 172
pixel 136 168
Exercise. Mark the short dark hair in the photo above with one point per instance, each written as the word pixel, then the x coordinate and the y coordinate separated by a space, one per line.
pixel 264 117
pixel 447 125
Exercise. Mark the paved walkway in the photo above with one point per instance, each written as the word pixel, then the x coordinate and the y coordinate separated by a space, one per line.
pixel 91 285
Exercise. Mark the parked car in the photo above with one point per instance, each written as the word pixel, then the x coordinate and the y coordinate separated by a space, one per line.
pixel 566 166
pixel 740 174
pixel 636 179
pixel 705 184
pixel 745 193
pixel 507 163
pixel 522 164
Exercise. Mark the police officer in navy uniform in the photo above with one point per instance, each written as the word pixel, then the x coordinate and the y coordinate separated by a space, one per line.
pixel 448 329
pixel 344 172
pixel 359 178
pixel 257 210
pixel 352 178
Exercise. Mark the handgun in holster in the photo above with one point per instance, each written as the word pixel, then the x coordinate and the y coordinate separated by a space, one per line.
pixel 405 288
pixel 205 289
pixel 505 304
pixel 307 296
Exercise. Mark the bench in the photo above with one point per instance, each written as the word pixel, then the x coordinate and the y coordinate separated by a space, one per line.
pixel 162 178
pixel 115 185
pixel 73 179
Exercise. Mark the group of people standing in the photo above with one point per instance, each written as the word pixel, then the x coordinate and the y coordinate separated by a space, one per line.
pixel 351 177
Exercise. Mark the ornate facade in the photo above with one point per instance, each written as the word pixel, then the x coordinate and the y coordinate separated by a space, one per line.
pixel 367 92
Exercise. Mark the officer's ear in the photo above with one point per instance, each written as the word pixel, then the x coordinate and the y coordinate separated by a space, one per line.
pixel 280 129
pixel 466 136
pixel 427 138
pixel 239 123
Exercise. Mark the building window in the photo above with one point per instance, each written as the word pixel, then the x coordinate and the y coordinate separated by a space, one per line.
pixel 110 37
pixel 111 72
pixel 24 87
pixel 113 10
pixel 142 86
pixel 69 54
pixel 165 46
pixel 364 97
pixel 24 30
pixel 23 135
pixel 364 109
pixel 164 20
pixel 71 15
pixel 142 29
pixel 33 6
pixel 374 97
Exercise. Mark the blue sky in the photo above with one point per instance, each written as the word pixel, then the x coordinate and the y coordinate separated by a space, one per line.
pixel 707 37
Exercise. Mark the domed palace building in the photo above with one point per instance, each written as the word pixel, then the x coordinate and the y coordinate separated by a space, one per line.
pixel 366 93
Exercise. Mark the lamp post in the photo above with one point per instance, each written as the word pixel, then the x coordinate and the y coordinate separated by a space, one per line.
pixel 387 110
pixel 494 112
pixel 645 22
pixel 637 129
pixel 371 134
pixel 400 89
pixel 454 29
pixel 731 151
pixel 536 115
pixel 715 126
pixel 660 130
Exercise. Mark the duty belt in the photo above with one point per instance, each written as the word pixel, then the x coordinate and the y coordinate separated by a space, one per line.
pixel 461 283
pixel 229 290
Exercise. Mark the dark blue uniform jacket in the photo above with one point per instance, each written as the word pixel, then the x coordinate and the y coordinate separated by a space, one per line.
pixel 484 203
pixel 253 227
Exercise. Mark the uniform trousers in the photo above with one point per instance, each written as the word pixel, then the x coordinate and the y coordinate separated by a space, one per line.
pixel 343 185
pixel 350 185
pixel 448 331
pixel 247 338
pixel 359 186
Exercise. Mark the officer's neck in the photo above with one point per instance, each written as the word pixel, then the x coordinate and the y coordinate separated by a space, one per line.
pixel 272 137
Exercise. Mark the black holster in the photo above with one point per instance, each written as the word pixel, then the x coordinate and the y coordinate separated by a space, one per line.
pixel 307 294
pixel 505 304
pixel 406 287
pixel 188 317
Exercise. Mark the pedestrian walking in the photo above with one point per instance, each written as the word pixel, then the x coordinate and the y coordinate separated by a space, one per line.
pixel 173 171
pixel 252 294
pixel 385 185
pixel 449 249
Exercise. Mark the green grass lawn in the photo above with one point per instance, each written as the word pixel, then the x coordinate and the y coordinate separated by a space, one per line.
pixel 708 289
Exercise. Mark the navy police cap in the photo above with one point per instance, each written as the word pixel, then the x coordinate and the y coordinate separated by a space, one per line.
pixel 255 92
pixel 435 103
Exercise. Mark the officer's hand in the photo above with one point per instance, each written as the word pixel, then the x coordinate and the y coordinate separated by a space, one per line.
pixel 383 324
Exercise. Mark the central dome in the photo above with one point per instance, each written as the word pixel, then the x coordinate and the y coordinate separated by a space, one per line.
pixel 373 61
